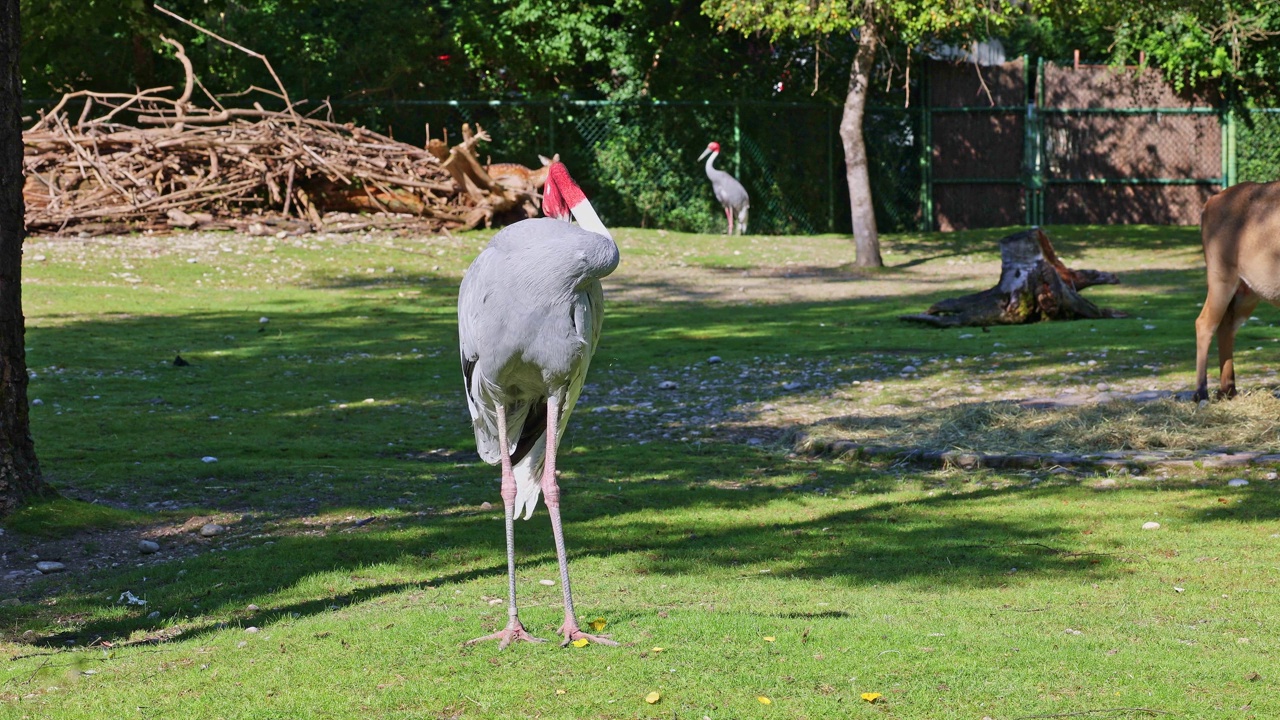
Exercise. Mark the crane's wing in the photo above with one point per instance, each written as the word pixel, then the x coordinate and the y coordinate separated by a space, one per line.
pixel 472 339
pixel 478 333
pixel 730 192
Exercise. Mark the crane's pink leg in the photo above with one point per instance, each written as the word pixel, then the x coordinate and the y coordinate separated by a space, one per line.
pixel 729 214
pixel 551 494
pixel 514 631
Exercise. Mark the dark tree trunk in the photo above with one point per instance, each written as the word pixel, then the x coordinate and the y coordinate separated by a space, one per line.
pixel 1034 286
pixel 19 471
pixel 866 238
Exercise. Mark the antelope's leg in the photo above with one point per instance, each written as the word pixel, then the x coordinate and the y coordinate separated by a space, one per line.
pixel 1242 305
pixel 1217 304
pixel 551 495
pixel 514 631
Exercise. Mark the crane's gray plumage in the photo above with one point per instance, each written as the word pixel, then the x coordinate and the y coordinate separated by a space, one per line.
pixel 728 191
pixel 529 316
pixel 530 311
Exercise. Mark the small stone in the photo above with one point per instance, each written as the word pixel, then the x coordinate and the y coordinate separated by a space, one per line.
pixel 209 459
pixel 211 529
pixel 1102 387
pixel 252 608
pixel 1270 476
pixel 1237 482
pixel 49 566
pixel 37 401
pixel 1151 525
pixel 668 385
pixel 909 369
pixel 547 582
pixel 713 359
pixel 148 546
pixel 486 505
pixel 153 614
pixel 251 629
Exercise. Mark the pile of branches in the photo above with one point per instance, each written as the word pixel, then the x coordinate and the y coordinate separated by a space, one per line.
pixel 148 161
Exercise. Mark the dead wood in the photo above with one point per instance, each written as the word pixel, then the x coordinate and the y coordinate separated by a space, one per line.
pixel 107 162
pixel 1034 285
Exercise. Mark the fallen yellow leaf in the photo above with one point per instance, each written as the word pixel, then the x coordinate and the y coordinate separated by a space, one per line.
pixel 560 692
pixel 653 697
pixel 871 697
pixel 769 638
pixel 581 642
pixel 658 650
pixel 764 700
pixel 597 624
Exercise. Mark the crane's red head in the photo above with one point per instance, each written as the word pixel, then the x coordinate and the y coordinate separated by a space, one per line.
pixel 561 193
pixel 713 146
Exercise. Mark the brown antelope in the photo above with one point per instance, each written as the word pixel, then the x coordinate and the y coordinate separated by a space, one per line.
pixel 1240 229
pixel 519 177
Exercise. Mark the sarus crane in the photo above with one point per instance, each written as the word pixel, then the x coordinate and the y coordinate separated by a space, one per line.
pixel 729 192
pixel 529 315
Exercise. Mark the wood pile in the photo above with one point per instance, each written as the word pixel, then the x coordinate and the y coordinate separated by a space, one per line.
pixel 147 161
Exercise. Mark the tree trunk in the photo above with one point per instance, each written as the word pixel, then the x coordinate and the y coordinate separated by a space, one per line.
pixel 1034 286
pixel 866 239
pixel 19 471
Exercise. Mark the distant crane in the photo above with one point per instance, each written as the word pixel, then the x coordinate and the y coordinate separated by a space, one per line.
pixel 529 315
pixel 728 190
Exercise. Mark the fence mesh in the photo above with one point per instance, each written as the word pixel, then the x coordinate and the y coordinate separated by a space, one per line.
pixel 638 161
pixel 1258 146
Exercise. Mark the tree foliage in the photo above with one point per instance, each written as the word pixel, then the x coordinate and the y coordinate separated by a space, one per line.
pixel 1231 46
pixel 403 49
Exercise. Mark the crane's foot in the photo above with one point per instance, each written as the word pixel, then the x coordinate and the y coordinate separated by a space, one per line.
pixel 513 632
pixel 571 633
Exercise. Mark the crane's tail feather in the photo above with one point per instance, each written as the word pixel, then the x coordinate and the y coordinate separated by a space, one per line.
pixel 528 474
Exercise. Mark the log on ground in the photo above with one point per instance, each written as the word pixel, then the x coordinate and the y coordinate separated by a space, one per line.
pixel 1034 286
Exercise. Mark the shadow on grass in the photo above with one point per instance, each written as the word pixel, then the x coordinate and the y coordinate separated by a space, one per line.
pixel 649 524
pixel 935 541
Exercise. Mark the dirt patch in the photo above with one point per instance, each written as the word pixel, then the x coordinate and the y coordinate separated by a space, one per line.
pixel 97 550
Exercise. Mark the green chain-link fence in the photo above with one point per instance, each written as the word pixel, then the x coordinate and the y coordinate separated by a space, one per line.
pixel 1257 146
pixel 638 161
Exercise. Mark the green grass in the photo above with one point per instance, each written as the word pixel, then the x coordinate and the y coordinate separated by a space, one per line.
pixel 357 545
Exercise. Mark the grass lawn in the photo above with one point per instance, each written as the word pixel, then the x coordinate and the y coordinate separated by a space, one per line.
pixel 320 422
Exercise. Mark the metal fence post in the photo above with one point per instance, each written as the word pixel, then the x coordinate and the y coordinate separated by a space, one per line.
pixel 551 127
pixel 737 139
pixel 1033 146
pixel 1229 175
pixel 926 154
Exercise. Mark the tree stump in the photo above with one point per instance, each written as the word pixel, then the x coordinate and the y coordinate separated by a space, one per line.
pixel 1034 286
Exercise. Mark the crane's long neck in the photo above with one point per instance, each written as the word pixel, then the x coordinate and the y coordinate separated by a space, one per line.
pixel 711 170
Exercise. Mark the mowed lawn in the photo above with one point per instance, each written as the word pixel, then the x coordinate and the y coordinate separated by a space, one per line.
pixel 319 421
